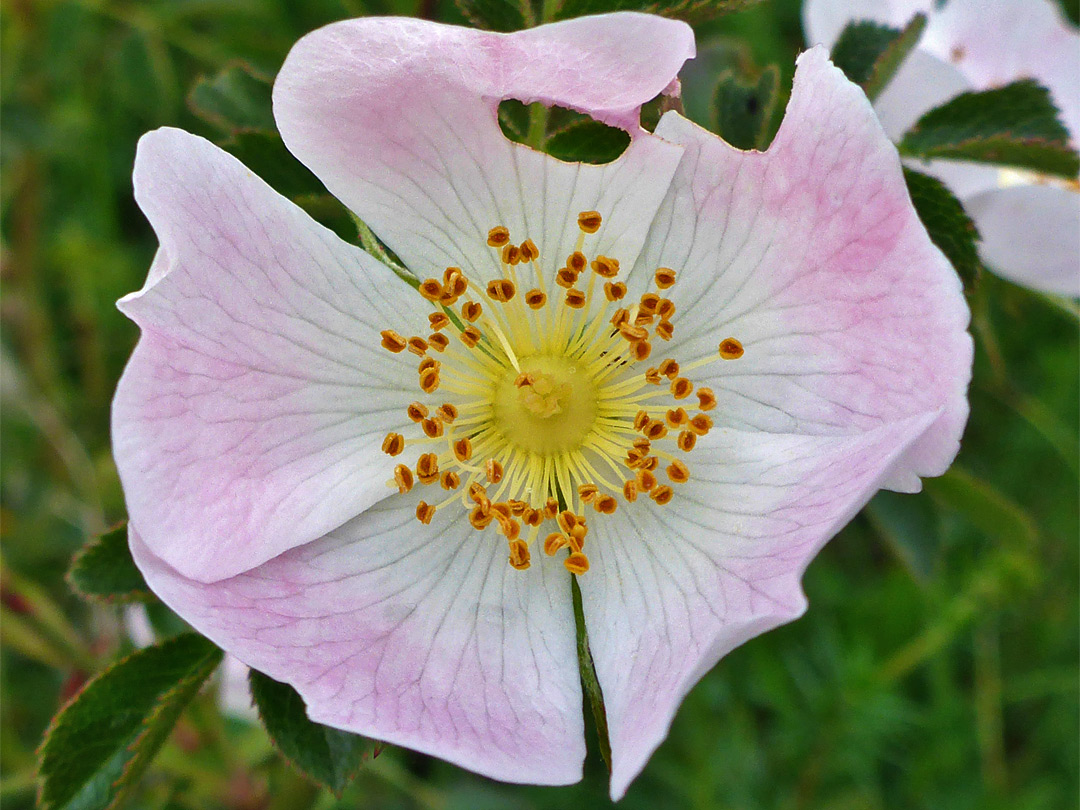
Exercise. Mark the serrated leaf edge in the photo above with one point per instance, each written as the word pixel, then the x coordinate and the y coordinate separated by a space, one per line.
pixel 130 597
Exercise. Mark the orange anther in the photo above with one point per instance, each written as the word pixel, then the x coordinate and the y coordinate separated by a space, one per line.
pixel 554 543
pixel 589 221
pixel 649 302
pixel 471 310
pixel 665 330
pixel 681 388
pixel 669 368
pixel 629 490
pixel 701 424
pixel 706 399
pixel 438 342
pixel 587 492
pixel 392 341
pixel 493 470
pixel 393 444
pixel 605 267
pixel 665 277
pixel 614 290
pixel 425 512
pixel 576 261
pixel 731 349
pixel 470 336
pixel 575 299
pixel 519 555
pixel 433 428
pixel 686 441
pixel 498 236
pixel 678 472
pixel 417 411
pixel 418 346
pixel 576 563
pixel 431 289
pixel 462 449
pixel 605 504
pixel 641 350
pixel 403 477
pixel 438 320
pixel 449 480
pixel 662 494
pixel 447 412
pixel 535 299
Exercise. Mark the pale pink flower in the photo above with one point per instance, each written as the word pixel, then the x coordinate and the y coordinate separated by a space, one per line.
pixel 1030 223
pixel 823 356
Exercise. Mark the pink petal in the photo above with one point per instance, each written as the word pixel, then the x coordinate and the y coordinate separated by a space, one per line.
pixel 673 589
pixel 421 636
pixel 398 118
pixel 812 255
pixel 250 417
pixel 1031 235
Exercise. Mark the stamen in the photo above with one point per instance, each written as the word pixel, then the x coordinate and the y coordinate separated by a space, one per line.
pixel 393 444
pixel 498 236
pixel 731 349
pixel 403 477
pixel 665 277
pixel 392 341
pixel 589 221
pixel 577 563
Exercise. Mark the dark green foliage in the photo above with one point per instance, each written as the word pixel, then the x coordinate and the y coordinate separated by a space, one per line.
pixel 265 154
pixel 327 755
pixel 105 570
pixel 912 527
pixel 744 110
pixel 234 100
pixel 588 141
pixel 102 742
pixel 496 15
pixel 1015 125
pixel 949 226
pixel 870 54
pixel 696 11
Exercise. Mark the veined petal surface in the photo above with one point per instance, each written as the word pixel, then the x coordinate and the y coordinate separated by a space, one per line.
pixel 417 635
pixel 398 118
pixel 250 416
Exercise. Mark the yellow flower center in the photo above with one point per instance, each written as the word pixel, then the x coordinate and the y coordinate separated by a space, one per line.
pixel 553 411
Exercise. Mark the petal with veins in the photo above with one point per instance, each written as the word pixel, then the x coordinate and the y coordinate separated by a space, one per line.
pixel 417 635
pixel 250 416
pixel 812 255
pixel 671 591
pixel 398 118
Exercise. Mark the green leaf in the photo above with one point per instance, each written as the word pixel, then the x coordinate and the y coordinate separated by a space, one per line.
pixel 105 570
pixel 235 100
pixel 100 744
pixel 495 15
pixel 1014 125
pixel 870 54
pixel 587 141
pixel 696 11
pixel 744 110
pixel 948 224
pixel 326 755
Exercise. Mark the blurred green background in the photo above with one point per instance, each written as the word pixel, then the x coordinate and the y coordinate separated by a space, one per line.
pixel 937 667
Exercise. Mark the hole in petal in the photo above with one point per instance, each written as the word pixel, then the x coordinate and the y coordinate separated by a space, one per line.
pixel 561 133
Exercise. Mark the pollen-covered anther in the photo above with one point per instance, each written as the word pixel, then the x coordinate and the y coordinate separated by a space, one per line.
pixel 706 399
pixel 686 441
pixel 392 341
pixel 662 494
pixel 576 563
pixel 670 368
pixel 417 411
pixel 676 417
pixel 648 304
pixel 555 542
pixel 605 504
pixel 470 336
pixel 731 349
pixel 519 555
pixel 665 330
pixel 429 380
pixel 498 236
pixel 438 341
pixel 438 320
pixel 681 388
pixel 630 491
pixel 605 267
pixel 655 429
pixel 566 278
pixel 620 317
pixel 501 290
pixel 431 289
pixel 576 262
pixel 427 468
pixel 701 424
pixel 641 419
pixel 641 350
pixel 433 428
pixel 418 346
pixel 393 444
pixel 535 299
pixel 449 480
pixel 587 492
pixel 575 299
pixel 462 449
pixel 493 470
pixel 589 221
pixel 678 472
pixel 614 290
pixel 471 310
pixel 447 412
pixel 645 480
pixel 479 518
pixel 528 251
pixel 652 376
pixel 665 277
pixel 425 512
pixel 665 309
pixel 511 255
pixel 633 334
pixel 403 477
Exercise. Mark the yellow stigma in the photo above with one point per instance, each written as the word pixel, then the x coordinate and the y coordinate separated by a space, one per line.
pixel 539 408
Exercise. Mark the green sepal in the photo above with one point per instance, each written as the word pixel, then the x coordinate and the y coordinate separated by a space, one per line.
pixel 870 54
pixel 1014 125
pixel 236 99
pixel 947 223
pixel 696 11
pixel 103 740
pixel 590 684
pixel 743 111
pixel 327 756
pixel 105 570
